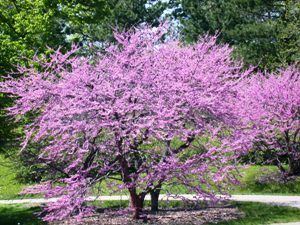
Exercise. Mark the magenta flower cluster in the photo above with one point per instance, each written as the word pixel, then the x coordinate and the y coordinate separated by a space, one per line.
pixel 268 108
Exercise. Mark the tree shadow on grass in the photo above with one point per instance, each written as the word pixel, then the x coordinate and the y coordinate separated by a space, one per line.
pixel 19 215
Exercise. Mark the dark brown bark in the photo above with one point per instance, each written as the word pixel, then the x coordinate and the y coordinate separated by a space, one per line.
pixel 136 200
pixel 154 200
pixel 294 164
pixel 294 167
pixel 137 204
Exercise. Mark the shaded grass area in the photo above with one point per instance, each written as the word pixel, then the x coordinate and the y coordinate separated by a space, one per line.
pixel 10 187
pixel 19 215
pixel 259 214
pixel 255 213
pixel 147 204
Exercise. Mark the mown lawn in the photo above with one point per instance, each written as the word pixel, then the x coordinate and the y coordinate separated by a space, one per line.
pixel 260 180
pixel 255 213
pixel 9 185
pixel 19 215
pixel 259 214
pixel 257 180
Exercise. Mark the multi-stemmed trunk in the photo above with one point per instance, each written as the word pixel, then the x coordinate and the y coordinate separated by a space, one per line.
pixel 154 199
pixel 294 167
pixel 137 204
pixel 293 153
pixel 136 200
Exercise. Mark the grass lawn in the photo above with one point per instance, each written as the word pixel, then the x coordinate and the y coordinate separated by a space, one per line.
pixel 255 214
pixel 9 186
pixel 19 215
pixel 259 213
pixel 250 183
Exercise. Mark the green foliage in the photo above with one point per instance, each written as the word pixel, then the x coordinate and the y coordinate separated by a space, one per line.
pixel 7 133
pixel 25 28
pixel 127 13
pixel 29 27
pixel 265 33
pixel 289 35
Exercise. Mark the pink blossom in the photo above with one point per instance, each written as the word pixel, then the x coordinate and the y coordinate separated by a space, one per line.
pixel 138 111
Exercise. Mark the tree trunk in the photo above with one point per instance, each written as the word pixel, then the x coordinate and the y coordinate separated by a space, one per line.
pixel 136 204
pixel 294 161
pixel 294 167
pixel 154 199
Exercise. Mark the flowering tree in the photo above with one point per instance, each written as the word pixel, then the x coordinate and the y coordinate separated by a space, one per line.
pixel 269 109
pixel 134 114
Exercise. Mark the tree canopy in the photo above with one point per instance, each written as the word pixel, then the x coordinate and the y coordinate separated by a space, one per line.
pixel 29 27
pixel 137 112
pixel 148 110
pixel 264 33
pixel 268 106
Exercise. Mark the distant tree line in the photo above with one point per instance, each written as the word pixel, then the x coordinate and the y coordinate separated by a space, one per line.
pixel 265 33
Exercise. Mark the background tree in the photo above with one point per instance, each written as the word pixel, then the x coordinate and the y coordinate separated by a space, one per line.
pixel 289 34
pixel 138 111
pixel 29 27
pixel 123 15
pixel 268 106
pixel 264 33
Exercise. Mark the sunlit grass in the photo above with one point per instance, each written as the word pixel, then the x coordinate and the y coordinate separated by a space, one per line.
pixel 259 214
pixel 251 182
pixel 10 187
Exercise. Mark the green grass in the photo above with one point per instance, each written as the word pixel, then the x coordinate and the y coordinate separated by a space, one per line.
pixel 147 204
pixel 19 215
pixel 9 186
pixel 259 214
pixel 255 213
pixel 251 184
